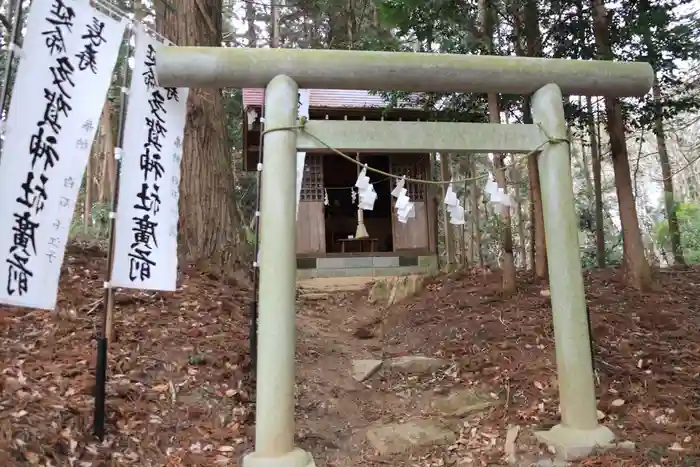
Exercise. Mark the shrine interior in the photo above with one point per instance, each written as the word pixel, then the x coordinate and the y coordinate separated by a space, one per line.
pixel 340 215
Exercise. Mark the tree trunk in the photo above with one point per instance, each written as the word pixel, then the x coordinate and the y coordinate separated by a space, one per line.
pixel 488 25
pixel 597 186
pixel 539 243
pixel 520 219
pixel 508 279
pixel 351 24
pixel 208 217
pixel 274 25
pixel 465 263
pixel 638 271
pixel 449 229
pixel 531 227
pixel 89 189
pixel 585 166
pixel 250 17
pixel 669 201
pixel 105 153
pixel 533 41
pixel 476 248
pixel 488 258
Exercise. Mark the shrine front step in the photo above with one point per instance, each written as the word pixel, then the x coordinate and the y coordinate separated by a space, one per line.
pixel 365 266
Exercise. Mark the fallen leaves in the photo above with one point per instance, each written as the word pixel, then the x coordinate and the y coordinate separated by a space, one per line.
pixel 18 415
pixel 647 355
pixel 161 388
pixel 178 392
pixel 160 397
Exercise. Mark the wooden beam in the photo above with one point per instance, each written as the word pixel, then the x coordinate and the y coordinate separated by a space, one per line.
pixel 418 137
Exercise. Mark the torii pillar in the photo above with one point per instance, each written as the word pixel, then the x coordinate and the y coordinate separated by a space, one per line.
pixel 283 71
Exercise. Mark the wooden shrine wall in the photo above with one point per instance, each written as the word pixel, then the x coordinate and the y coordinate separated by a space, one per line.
pixel 311 224
pixel 417 233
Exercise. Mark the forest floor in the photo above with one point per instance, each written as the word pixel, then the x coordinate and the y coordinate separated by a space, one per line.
pixel 180 393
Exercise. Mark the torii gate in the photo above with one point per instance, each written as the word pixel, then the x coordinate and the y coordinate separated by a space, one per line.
pixel 282 71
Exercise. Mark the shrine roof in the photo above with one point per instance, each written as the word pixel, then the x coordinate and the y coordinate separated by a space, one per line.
pixel 328 98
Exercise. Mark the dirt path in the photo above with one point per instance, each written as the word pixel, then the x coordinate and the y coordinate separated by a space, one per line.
pixel 335 411
pixel 333 408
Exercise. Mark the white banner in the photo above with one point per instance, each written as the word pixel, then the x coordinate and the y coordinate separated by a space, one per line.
pixel 145 247
pixel 69 53
pixel 303 112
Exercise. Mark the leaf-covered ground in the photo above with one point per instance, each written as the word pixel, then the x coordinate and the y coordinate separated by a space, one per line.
pixel 179 391
pixel 647 357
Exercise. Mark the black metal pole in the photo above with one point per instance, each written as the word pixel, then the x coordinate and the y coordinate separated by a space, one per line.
pixel 591 339
pixel 103 338
pixel 100 388
pixel 15 35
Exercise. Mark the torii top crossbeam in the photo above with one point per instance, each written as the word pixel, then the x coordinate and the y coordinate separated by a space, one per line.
pixel 221 67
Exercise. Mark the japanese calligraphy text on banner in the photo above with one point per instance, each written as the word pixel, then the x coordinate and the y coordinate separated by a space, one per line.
pixel 145 248
pixel 61 83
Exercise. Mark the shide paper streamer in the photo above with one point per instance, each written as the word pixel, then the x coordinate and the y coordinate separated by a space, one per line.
pixel 365 191
pixel 405 209
pixel 455 210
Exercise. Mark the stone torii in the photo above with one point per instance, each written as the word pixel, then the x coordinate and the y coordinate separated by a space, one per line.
pixel 283 71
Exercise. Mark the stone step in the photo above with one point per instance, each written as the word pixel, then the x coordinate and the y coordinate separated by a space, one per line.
pixel 398 438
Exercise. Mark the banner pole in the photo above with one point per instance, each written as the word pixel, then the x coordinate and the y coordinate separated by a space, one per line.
pixel 106 328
